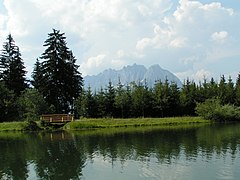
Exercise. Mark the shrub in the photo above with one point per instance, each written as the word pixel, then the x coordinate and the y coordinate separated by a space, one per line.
pixel 208 108
pixel 211 109
pixel 31 126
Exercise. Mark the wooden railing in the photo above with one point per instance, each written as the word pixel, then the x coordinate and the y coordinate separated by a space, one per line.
pixel 57 118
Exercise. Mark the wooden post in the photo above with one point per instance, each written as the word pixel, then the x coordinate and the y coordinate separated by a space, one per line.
pixel 50 119
pixel 62 118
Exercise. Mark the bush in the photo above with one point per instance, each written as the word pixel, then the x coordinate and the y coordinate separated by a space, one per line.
pixel 31 126
pixel 211 109
pixel 207 109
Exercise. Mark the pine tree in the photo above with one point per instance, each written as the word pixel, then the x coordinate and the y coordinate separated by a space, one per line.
pixel 7 104
pixel 57 76
pixel 157 99
pixel 237 90
pixel 110 100
pixel 37 75
pixel 119 99
pixel 230 91
pixel 101 103
pixel 12 67
pixel 86 105
pixel 222 89
pixel 188 97
pixel 174 100
pixel 138 100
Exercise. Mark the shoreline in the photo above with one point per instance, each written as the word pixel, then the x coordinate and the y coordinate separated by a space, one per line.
pixel 88 124
pixel 104 123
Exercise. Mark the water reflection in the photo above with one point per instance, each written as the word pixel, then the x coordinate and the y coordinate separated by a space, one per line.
pixel 210 151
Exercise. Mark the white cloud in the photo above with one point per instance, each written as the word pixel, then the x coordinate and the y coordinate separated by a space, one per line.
pixel 120 53
pixel 197 75
pixel 144 10
pixel 3 20
pixel 144 43
pixel 178 42
pixel 189 60
pixel 219 36
pixel 180 36
pixel 201 74
pixel 93 63
pixel 161 38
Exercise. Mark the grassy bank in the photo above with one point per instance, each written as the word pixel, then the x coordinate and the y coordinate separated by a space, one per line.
pixel 13 126
pixel 142 129
pixel 109 123
pixel 136 122
pixel 20 126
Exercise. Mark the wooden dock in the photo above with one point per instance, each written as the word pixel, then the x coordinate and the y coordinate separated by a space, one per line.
pixel 57 118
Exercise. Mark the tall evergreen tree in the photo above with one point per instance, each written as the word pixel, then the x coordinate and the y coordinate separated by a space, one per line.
pixel 188 97
pixel 222 90
pixel 12 67
pixel 37 75
pixel 230 92
pixel 101 103
pixel 57 76
pixel 86 106
pixel 174 100
pixel 139 100
pixel 7 104
pixel 237 90
pixel 119 99
pixel 110 99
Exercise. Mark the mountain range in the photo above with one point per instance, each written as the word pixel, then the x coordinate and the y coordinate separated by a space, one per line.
pixel 134 73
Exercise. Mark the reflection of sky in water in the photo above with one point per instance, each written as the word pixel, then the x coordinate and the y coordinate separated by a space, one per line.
pixel 32 173
pixel 209 152
pixel 217 166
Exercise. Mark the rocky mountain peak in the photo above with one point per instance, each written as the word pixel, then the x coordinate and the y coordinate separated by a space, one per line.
pixel 131 73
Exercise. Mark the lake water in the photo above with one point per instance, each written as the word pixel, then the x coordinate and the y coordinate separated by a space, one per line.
pixel 204 152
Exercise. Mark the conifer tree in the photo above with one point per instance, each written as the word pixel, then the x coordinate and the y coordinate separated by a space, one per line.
pixel 222 89
pixel 188 97
pixel 7 104
pixel 119 99
pixel 12 67
pixel 37 75
pixel 110 99
pixel 101 103
pixel 57 76
pixel 237 90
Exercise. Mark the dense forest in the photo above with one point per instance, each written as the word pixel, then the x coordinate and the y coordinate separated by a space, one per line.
pixel 57 87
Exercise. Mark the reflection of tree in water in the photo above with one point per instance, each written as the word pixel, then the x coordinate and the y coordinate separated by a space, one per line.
pixel 165 145
pixel 13 163
pixel 60 159
pixel 220 139
pixel 137 146
pixel 53 158
pixel 63 156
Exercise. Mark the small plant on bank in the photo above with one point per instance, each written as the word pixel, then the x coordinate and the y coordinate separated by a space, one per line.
pixel 31 126
pixel 212 109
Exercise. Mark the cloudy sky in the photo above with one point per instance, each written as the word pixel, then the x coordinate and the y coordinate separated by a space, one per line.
pixel 189 38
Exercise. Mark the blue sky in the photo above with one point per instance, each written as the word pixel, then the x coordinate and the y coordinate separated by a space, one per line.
pixel 192 39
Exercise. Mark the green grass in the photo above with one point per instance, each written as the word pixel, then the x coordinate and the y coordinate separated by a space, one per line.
pixel 142 129
pixel 112 123
pixel 135 122
pixel 13 126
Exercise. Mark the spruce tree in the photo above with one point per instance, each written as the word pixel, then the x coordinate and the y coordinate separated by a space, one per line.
pixel 110 100
pixel 101 103
pixel 12 67
pixel 37 75
pixel 7 104
pixel 57 76
pixel 237 90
